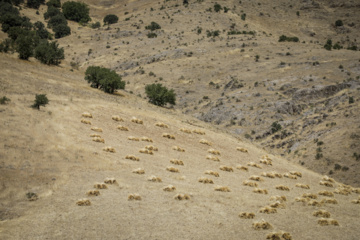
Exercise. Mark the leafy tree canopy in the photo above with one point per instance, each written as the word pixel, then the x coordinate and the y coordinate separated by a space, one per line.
pixel 160 95
pixel 76 11
pixel 49 53
pixel 104 78
pixel 110 19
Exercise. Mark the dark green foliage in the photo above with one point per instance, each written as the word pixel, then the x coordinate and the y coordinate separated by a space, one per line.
pixel 95 25
pixel 104 79
pixel 54 3
pixel 61 30
pixel 17 2
pixel 160 95
pixel 34 3
pixel 339 23
pixel 6 45
pixel 151 35
pixel 243 16
pixel 337 46
pixel 49 53
pixel 51 12
pixel 41 31
pixel 76 11
pixel 110 19
pixel 328 45
pixel 233 32
pixel 9 20
pixel 4 100
pixel 318 156
pixel 337 166
pixel 354 48
pixel 275 126
pixel 217 7
pixel 40 100
pixel 212 33
pixel 153 26
pixel 356 156
pixel 284 38
pixel 351 100
pixel 7 8
pixel 57 20
pixel 24 46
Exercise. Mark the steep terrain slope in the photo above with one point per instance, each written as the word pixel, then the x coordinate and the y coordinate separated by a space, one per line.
pixel 49 152
pixel 247 80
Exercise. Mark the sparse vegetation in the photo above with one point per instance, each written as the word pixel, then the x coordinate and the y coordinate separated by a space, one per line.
pixel 284 38
pixel 153 26
pixel 275 127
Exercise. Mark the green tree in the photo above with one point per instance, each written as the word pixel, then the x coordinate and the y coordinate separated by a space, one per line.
pixel 40 100
pixel 49 53
pixel 41 30
pixel 34 3
pixel 57 20
pixel 51 12
pixel 9 20
pixel 62 30
pixel 110 19
pixel 76 11
pixel 104 78
pixel 339 23
pixel 160 95
pixel 153 26
pixel 24 46
pixel 54 3
pixel 217 7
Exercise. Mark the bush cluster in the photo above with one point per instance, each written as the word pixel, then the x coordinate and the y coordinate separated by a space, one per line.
pixel 284 38
pixel 160 95
pixel 26 38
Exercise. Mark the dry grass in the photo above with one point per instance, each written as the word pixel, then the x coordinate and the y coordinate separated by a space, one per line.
pixel 134 196
pixel 98 139
pixel 205 180
pixel 182 197
pixel 109 149
pixel 85 121
pixel 172 169
pixel 222 189
pixel 146 139
pixel 261 191
pixel 282 187
pixel 326 184
pixel 132 138
pixel 151 148
pixel 122 128
pixel 247 215
pixel 322 214
pixel 185 130
pixel 226 169
pixel 329 201
pixel 279 236
pixel 300 185
pixel 212 158
pixel 268 210
pixel 250 184
pixel 132 157
pixel 177 162
pixel 161 124
pixel 139 171
pixel 146 151
pixel 179 149
pixel 96 129
pixel 213 151
pixel 326 193
pixel 83 202
pixel 278 198
pixel 213 173
pixel 169 136
pixel 206 142
pixel 154 179
pixel 169 188
pixel 290 176
pixel 93 193
pixel 117 118
pixel 310 195
pixel 136 120
pixel 256 178
pixel 100 186
pixel 241 149
pixel 198 131
pixel 110 181
pixel 252 164
pixel 261 225
pixel 243 168
pixel 86 115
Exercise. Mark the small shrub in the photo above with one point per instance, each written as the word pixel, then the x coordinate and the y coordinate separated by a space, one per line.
pixel 284 38
pixel 153 26
pixel 328 45
pixel 40 100
pixel 95 25
pixel 49 53
pixel 339 23
pixel 4 100
pixel 351 100
pixel 318 156
pixel 217 7
pixel 243 16
pixel 275 126
pixel 151 35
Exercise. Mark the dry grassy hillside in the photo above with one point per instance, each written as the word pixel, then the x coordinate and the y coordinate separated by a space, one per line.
pixel 49 152
pixel 302 86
